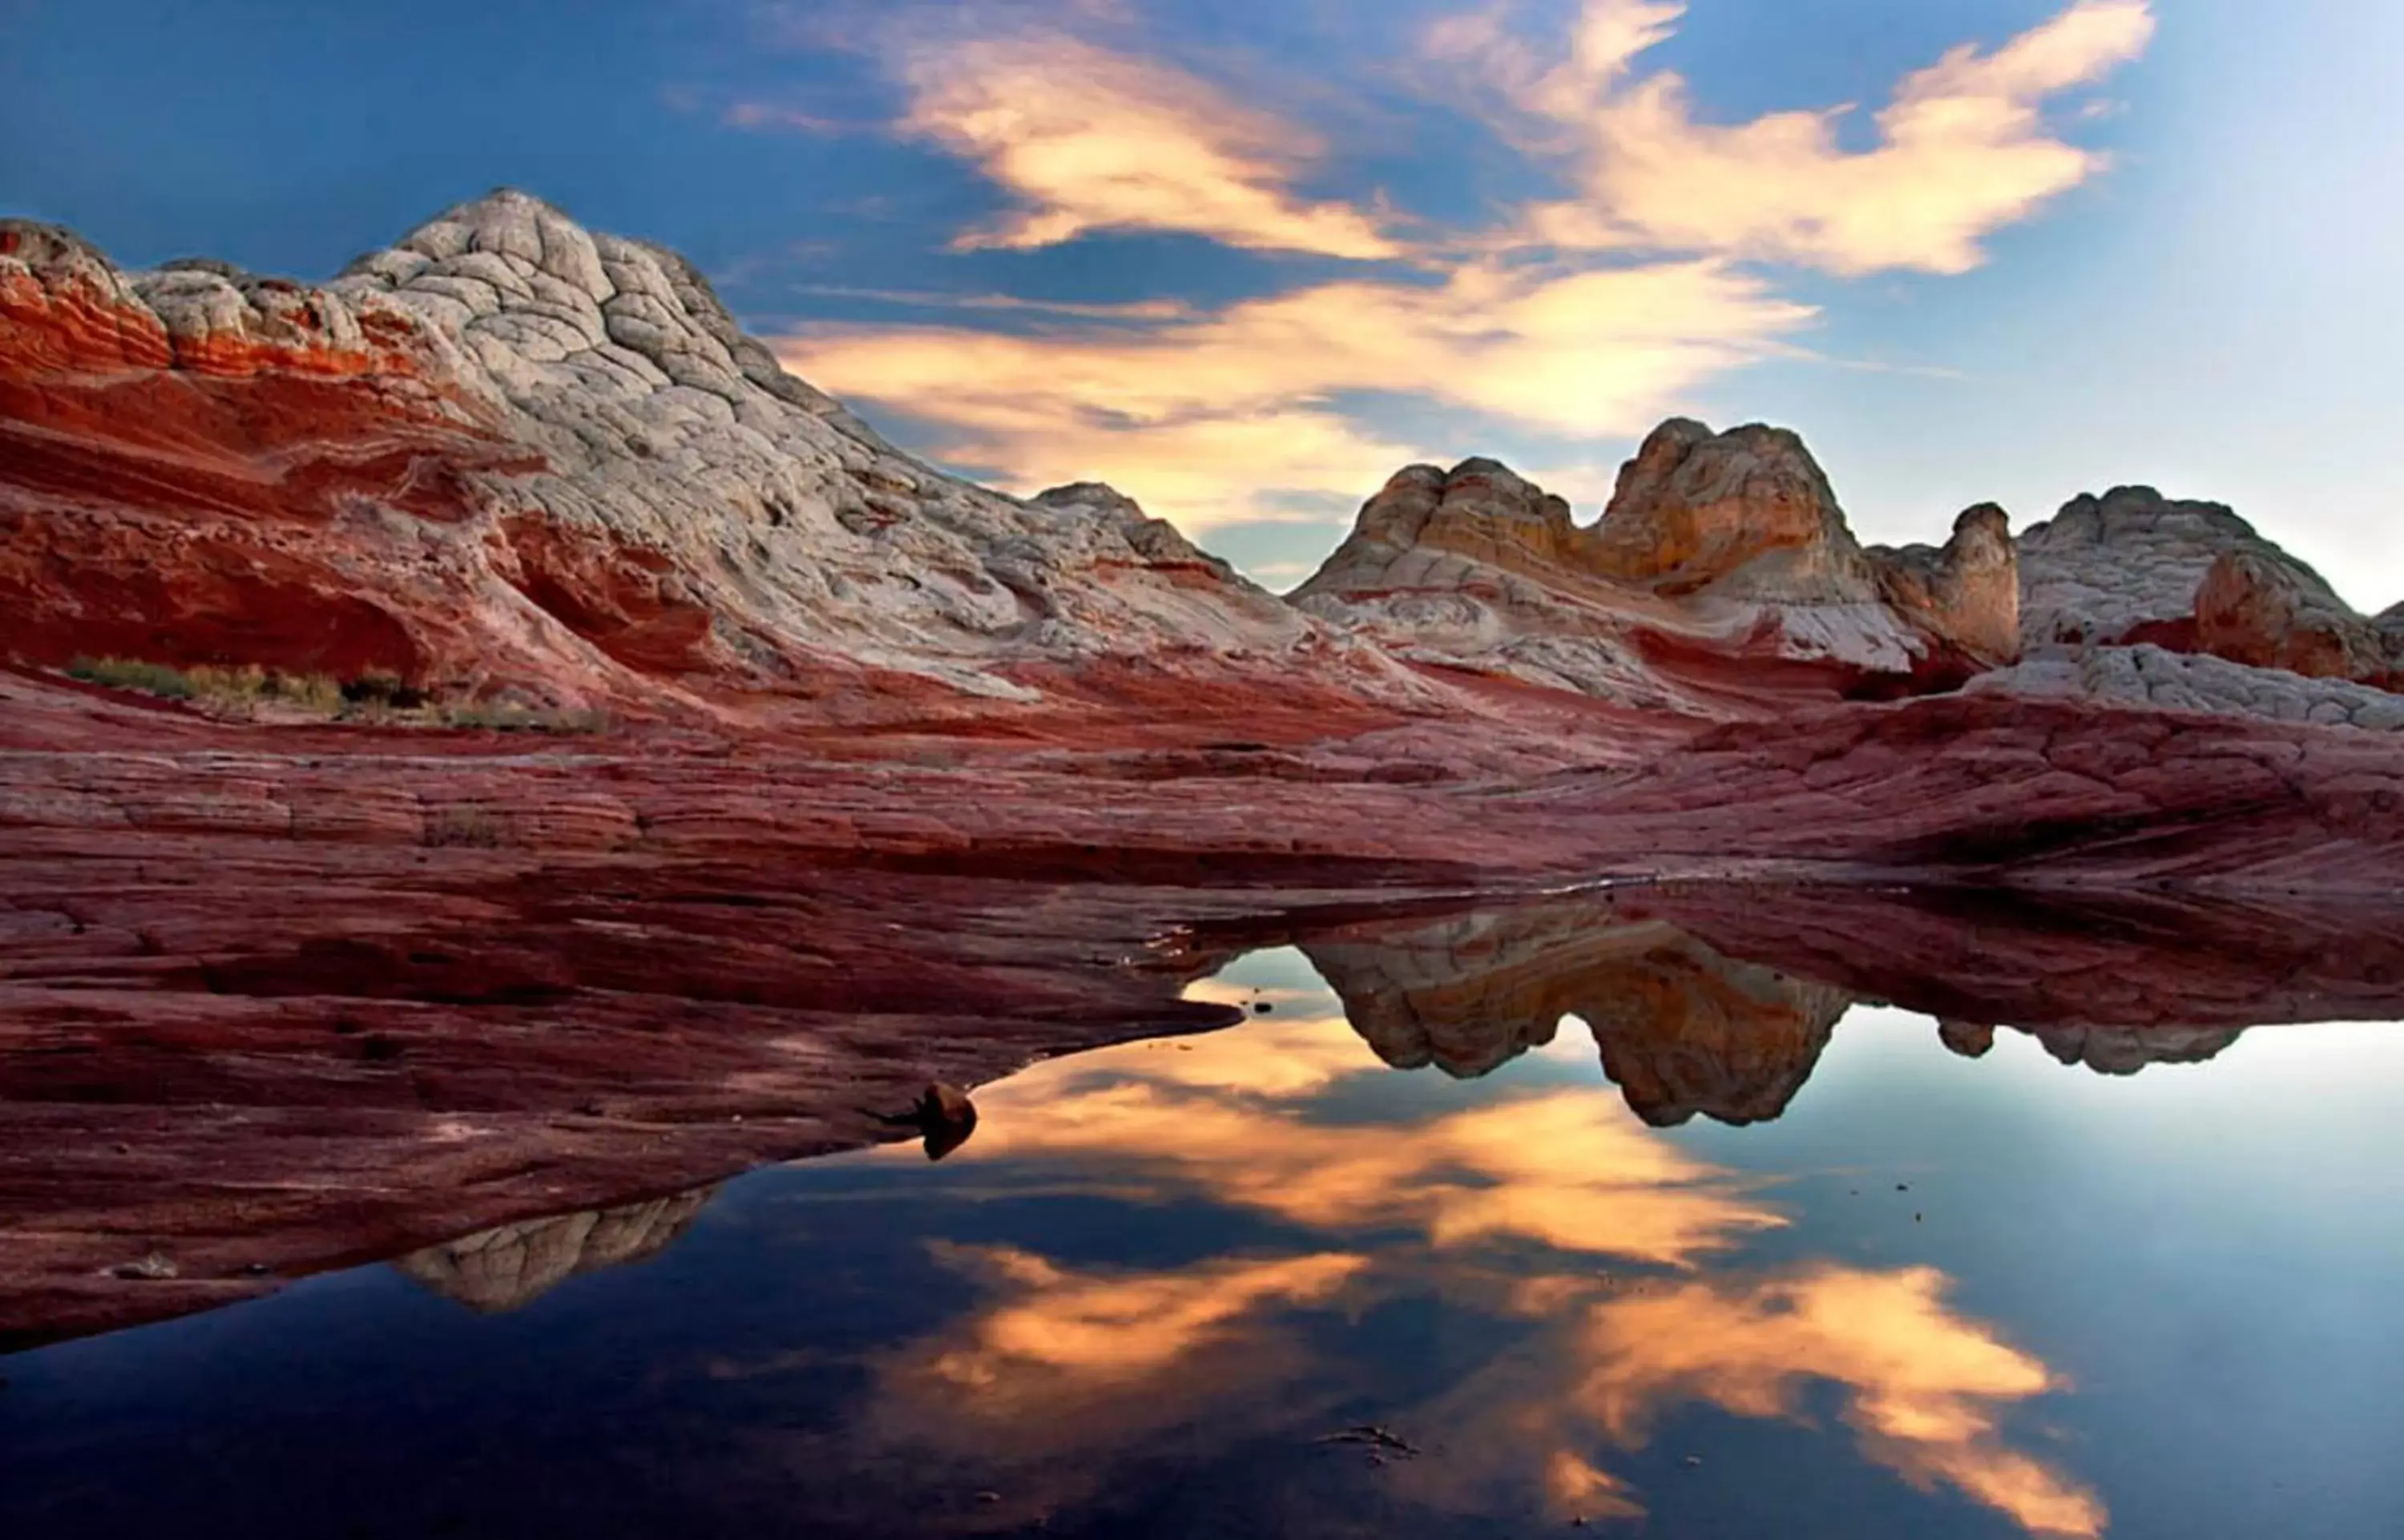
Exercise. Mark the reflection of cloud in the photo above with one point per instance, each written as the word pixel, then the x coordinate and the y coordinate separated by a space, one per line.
pixel 1207 419
pixel 1566 1168
pixel 1115 1329
pixel 1063 1372
pixel 1924 1388
pixel 1063 1368
pixel 1091 140
pixel 1963 149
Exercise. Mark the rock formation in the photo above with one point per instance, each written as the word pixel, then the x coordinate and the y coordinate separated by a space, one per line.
pixel 1723 569
pixel 2133 568
pixel 508 451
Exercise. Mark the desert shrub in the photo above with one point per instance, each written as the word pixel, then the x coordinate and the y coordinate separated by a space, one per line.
pixel 319 693
pixel 221 684
pixel 380 687
pixel 156 678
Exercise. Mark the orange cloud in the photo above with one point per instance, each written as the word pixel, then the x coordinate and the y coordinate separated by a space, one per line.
pixel 1924 1387
pixel 1963 148
pixel 1593 314
pixel 1208 420
pixel 1567 1168
pixel 1091 140
pixel 1104 1328
pixel 1063 1369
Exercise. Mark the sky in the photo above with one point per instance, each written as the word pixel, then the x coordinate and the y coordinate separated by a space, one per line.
pixel 1244 258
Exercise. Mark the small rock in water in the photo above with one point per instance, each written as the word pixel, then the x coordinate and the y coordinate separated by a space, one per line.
pixel 1262 1008
pixel 155 1267
pixel 1694 1462
pixel 988 1498
pixel 947 1117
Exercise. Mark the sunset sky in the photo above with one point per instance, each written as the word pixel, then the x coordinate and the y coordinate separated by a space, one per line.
pixel 1244 258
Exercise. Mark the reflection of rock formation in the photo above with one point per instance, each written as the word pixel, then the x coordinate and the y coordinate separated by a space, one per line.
pixel 2106 1050
pixel 2173 971
pixel 1684 1031
pixel 2126 1050
pixel 1466 993
pixel 1687 1024
pixel 511 1266
pixel 1682 1028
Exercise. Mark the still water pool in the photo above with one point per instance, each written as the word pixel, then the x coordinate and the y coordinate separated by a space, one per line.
pixel 1262 1283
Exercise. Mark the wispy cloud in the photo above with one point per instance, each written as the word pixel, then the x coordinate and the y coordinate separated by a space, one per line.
pixel 1586 312
pixel 1209 420
pixel 768 115
pixel 1963 148
pixel 1136 310
pixel 1089 140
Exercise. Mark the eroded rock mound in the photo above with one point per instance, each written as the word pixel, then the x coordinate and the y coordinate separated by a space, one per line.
pixel 1721 576
pixel 2133 568
pixel 508 451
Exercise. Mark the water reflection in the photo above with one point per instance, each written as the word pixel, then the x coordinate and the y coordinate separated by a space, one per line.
pixel 1506 1212
pixel 1612 1280
pixel 1666 1228
pixel 510 1266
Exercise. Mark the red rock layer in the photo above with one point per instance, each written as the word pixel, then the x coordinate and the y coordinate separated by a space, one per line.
pixel 285 998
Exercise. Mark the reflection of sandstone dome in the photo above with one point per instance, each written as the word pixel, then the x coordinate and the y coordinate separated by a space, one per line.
pixel 1682 1028
pixel 1466 994
pixel 2126 1050
pixel 1684 1031
pixel 511 1265
pixel 1969 1039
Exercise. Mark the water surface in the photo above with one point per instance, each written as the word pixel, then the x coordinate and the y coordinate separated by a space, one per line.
pixel 1261 1283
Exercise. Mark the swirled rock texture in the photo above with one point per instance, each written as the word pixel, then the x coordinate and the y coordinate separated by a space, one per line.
pixel 2133 568
pixel 1721 578
pixel 510 454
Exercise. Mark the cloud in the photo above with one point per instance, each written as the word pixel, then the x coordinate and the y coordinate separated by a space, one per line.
pixel 1091 140
pixel 1209 420
pixel 1963 148
pixel 768 115
pixel 1583 314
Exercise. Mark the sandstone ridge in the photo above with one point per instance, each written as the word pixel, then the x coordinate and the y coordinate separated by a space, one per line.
pixel 510 453
pixel 1723 569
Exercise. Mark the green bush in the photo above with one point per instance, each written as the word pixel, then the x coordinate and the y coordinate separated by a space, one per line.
pixel 224 685
pixel 156 678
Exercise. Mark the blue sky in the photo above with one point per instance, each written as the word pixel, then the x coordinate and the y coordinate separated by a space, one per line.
pixel 1245 259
